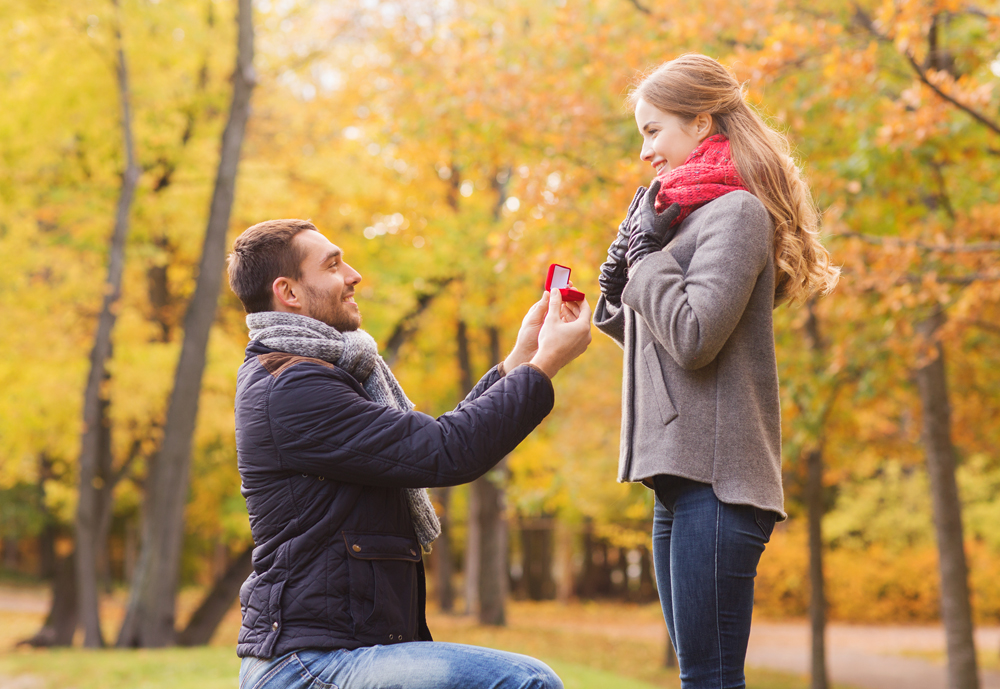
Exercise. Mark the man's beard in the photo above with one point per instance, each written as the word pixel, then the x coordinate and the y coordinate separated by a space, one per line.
pixel 335 314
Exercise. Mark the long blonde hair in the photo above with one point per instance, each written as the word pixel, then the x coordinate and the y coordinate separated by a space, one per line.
pixel 693 84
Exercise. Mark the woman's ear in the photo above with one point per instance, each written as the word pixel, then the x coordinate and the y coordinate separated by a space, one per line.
pixel 704 126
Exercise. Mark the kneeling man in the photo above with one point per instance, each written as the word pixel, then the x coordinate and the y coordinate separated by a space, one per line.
pixel 335 462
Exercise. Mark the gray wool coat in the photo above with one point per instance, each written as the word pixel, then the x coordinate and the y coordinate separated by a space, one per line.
pixel 700 384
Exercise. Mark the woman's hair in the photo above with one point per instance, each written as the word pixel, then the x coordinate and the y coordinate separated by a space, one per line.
pixel 693 84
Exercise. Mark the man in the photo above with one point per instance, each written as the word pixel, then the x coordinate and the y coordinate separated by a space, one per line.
pixel 334 463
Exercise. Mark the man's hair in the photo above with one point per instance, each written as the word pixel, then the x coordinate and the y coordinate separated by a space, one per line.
pixel 261 255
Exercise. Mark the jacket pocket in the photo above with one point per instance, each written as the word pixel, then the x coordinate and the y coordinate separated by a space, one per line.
pixel 383 573
pixel 260 602
pixel 655 372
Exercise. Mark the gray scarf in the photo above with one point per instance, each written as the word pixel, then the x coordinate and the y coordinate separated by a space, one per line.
pixel 356 353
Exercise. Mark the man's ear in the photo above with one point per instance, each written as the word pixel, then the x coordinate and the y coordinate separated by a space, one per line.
pixel 286 295
pixel 703 126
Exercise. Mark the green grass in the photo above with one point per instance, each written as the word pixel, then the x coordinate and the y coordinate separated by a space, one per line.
pixel 174 668
pixel 217 668
pixel 578 641
pixel 986 658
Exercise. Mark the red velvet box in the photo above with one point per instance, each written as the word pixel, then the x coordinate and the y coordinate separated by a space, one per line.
pixel 558 278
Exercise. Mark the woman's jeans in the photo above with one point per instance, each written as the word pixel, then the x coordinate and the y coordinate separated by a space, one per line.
pixel 705 553
pixel 415 665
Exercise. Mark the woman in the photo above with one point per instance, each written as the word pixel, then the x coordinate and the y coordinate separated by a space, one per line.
pixel 726 231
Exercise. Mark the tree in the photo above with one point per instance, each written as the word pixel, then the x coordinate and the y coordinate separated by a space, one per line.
pixel 149 620
pixel 96 479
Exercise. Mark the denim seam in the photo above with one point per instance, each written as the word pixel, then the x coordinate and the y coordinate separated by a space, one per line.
pixel 718 626
pixel 272 672
pixel 314 681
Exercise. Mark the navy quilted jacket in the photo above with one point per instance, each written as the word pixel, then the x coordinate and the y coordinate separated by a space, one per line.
pixel 336 562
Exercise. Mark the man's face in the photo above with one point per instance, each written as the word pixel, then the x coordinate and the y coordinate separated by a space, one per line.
pixel 327 282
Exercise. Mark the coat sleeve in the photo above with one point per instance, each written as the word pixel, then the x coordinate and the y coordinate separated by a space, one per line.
pixel 610 320
pixel 693 314
pixel 321 425
pixel 484 384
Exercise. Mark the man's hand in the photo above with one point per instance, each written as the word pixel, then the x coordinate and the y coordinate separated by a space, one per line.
pixel 564 335
pixel 527 337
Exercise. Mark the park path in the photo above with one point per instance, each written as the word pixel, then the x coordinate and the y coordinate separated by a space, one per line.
pixel 868 657
pixel 861 656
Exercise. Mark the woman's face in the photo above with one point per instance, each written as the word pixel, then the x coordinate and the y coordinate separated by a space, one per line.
pixel 667 140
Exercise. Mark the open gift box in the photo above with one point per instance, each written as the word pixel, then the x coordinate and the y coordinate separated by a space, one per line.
pixel 558 278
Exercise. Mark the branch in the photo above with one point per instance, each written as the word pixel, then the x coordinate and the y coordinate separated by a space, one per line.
pixel 975 12
pixel 922 75
pixel 943 197
pixel 407 325
pixel 977 247
pixel 644 10
pixel 867 22
pixel 962 280
pixel 988 327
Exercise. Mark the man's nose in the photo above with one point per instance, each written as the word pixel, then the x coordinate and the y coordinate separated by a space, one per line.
pixel 353 276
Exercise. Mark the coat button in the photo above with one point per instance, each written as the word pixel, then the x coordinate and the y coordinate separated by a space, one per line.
pixel 356 548
pixel 274 626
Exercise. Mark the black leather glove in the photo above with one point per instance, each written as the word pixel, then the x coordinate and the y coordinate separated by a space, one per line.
pixel 613 277
pixel 650 230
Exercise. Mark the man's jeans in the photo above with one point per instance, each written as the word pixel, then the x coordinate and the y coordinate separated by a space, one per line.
pixel 705 553
pixel 415 665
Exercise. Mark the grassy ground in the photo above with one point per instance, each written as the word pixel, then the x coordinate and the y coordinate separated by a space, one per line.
pixel 568 638
pixel 987 658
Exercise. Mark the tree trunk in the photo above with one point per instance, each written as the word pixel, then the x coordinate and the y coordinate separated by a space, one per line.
pixel 536 548
pixel 669 654
pixel 817 594
pixel 956 610
pixel 819 675
pixel 47 538
pixel 473 540
pixel 11 554
pixel 473 558
pixel 647 576
pixel 94 491
pixel 60 624
pixel 564 562
pixel 493 546
pixel 493 576
pixel 595 579
pixel 216 604
pixel 442 553
pixel 149 620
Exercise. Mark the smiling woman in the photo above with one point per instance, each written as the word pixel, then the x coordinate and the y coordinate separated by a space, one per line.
pixel 726 230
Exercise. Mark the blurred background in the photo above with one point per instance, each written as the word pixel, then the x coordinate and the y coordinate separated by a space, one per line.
pixel 453 149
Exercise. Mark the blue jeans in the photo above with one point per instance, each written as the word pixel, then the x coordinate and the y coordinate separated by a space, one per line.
pixel 414 665
pixel 705 553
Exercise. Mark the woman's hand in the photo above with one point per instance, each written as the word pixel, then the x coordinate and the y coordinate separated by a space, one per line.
pixel 650 230
pixel 613 278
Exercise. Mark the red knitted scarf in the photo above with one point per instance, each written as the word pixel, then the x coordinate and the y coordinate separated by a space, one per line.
pixel 707 174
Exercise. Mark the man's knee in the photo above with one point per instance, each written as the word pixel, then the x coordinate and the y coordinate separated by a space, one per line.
pixel 542 678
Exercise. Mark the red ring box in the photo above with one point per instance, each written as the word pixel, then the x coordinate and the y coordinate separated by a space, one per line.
pixel 558 278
